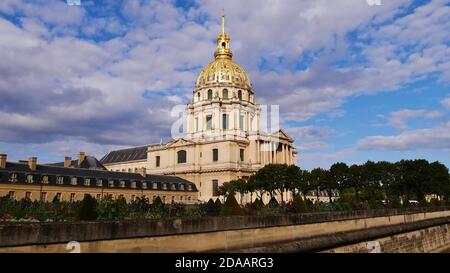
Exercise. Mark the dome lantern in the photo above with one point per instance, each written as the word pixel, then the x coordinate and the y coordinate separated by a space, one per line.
pixel 223 71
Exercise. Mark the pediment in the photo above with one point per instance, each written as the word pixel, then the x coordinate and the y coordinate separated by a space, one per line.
pixel 283 135
pixel 179 142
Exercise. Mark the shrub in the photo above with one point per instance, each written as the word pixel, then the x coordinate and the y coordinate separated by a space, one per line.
pixel 87 210
pixel 394 202
pixel 157 209
pixel 211 209
pixel 231 207
pixel 259 204
pixel 106 208
pixel 176 210
pixel 218 205
pixel 299 205
pixel 273 203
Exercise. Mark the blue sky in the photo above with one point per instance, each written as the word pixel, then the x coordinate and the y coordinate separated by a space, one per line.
pixel 354 82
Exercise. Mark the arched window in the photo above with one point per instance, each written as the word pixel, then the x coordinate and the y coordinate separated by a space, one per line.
pixel 240 95
pixel 181 156
pixel 210 94
pixel 224 45
pixel 225 94
pixel 198 96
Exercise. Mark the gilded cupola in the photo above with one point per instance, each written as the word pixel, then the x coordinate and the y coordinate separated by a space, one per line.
pixel 223 71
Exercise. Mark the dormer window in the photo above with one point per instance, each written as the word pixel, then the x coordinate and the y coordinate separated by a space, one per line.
pixel 122 184
pixel 30 178
pixel 190 187
pixel 111 183
pixel 73 181
pixel 155 185
pixel 60 180
pixel 87 182
pixel 13 178
pixel 173 187
pixel 133 184
pixel 164 186
pixel 45 179
pixel 99 183
pixel 144 185
pixel 182 187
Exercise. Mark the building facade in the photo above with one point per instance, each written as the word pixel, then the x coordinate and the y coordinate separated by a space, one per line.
pixel 224 140
pixel 71 181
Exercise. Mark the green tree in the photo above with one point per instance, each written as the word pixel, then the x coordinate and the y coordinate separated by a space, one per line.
pixel 87 209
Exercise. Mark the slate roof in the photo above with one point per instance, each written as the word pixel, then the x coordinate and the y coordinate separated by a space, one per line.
pixel 125 155
pixel 163 182
pixel 89 162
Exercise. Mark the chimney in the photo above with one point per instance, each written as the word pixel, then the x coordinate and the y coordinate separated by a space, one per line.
pixel 2 161
pixel 81 157
pixel 67 162
pixel 143 171
pixel 32 163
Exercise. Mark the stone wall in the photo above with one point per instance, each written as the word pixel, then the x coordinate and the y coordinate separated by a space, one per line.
pixel 431 239
pixel 212 233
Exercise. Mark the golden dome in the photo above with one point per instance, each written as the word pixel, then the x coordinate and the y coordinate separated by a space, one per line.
pixel 223 71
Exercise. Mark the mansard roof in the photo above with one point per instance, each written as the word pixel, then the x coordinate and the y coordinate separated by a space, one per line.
pixel 125 155
pixel 90 162
pixel 22 170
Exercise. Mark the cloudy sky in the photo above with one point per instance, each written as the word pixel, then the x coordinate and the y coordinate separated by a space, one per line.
pixel 354 81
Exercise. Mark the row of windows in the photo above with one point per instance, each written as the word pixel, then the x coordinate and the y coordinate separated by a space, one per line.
pixel 73 196
pixel 225 94
pixel 182 156
pixel 99 182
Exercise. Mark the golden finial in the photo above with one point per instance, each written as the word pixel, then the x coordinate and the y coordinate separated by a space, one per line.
pixel 223 21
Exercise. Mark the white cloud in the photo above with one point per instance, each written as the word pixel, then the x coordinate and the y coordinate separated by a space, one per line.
pixel 420 139
pixel 398 119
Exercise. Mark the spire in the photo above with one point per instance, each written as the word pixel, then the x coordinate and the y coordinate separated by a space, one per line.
pixel 223 22
pixel 223 43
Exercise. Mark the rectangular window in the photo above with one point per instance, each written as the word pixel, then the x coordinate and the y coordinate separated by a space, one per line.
pixel 241 154
pixel 45 179
pixel 72 197
pixel 12 194
pixel 225 122
pixel 208 122
pixel 13 178
pixel 241 122
pixel 43 196
pixel 215 187
pixel 158 161
pixel 73 181
pixel 28 195
pixel 60 180
pixel 196 124
pixel 133 197
pixel 215 155
pixel 58 196
pixel 99 196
